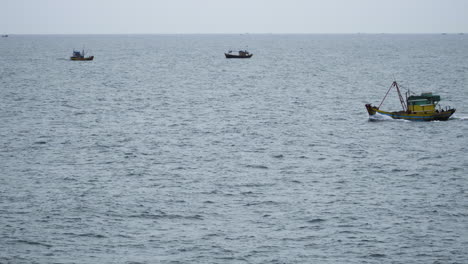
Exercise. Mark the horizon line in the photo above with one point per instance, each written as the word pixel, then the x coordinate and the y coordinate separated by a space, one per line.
pixel 249 33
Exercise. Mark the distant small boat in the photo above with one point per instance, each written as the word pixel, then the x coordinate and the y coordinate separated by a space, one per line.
pixel 4 36
pixel 242 54
pixel 80 56
pixel 416 108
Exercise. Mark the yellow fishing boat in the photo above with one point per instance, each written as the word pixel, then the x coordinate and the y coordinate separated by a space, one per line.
pixel 424 107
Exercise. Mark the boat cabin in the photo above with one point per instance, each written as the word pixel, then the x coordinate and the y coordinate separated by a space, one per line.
pixel 243 53
pixel 77 54
pixel 426 102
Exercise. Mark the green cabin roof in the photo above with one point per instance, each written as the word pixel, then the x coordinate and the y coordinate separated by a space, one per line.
pixel 423 99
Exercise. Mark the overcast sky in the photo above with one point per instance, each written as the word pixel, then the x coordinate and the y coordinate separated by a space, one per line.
pixel 238 16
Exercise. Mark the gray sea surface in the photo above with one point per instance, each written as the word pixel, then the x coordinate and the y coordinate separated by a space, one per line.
pixel 163 151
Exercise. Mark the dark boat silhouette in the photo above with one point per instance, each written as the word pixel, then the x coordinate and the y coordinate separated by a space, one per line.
pixel 80 56
pixel 242 54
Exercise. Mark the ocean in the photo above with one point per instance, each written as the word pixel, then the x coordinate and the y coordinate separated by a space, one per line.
pixel 163 151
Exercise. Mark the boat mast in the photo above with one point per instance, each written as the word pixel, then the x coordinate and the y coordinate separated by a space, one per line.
pixel 401 97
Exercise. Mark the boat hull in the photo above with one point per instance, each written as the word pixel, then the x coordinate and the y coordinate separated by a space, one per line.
pixel 232 56
pixel 425 116
pixel 82 59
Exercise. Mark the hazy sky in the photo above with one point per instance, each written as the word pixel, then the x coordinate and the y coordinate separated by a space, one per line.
pixel 239 16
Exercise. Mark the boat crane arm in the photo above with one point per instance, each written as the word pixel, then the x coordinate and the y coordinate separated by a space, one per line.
pixel 385 95
pixel 395 84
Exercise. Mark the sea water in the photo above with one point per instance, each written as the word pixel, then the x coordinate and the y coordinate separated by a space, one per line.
pixel 163 151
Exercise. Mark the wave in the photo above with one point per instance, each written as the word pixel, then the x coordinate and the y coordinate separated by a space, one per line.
pixel 257 166
pixel 316 220
pixel 91 235
pixel 380 117
pixel 262 203
pixel 376 255
pixel 462 118
pixel 35 243
pixel 168 216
